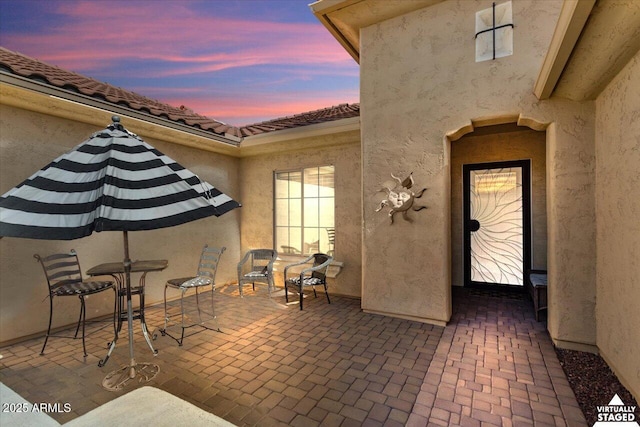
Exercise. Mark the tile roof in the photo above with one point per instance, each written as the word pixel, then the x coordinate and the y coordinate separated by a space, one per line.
pixel 33 69
pixel 337 112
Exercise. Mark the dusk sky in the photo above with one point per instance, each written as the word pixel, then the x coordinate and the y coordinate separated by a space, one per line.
pixel 237 61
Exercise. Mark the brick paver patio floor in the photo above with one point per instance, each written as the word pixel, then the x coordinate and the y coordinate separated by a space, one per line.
pixel 329 365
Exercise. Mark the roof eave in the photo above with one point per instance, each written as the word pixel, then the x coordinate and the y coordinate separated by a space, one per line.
pixel 255 144
pixel 50 96
pixel 593 42
pixel 572 20
pixel 345 18
pixel 321 9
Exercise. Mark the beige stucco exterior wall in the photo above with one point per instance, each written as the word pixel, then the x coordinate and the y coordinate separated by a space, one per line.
pixel 419 82
pixel 618 224
pixel 30 141
pixel 523 144
pixel 341 150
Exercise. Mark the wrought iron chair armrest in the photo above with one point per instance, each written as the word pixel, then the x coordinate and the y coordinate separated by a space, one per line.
pixel 317 267
pixel 309 269
pixel 304 261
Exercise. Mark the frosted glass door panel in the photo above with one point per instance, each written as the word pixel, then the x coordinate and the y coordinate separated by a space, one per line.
pixel 496 226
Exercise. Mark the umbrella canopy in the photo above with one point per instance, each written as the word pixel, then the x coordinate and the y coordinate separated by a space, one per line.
pixel 112 181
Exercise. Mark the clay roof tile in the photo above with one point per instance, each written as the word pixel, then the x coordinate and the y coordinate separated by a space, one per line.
pixel 337 112
pixel 34 69
pixel 24 66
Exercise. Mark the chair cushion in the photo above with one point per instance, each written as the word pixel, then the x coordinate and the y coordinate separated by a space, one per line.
pixel 81 288
pixel 259 274
pixel 307 281
pixel 190 282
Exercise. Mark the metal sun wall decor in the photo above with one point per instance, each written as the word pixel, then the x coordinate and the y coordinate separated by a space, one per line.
pixel 400 197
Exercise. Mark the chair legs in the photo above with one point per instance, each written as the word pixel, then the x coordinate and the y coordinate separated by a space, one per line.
pixel 286 293
pixel 81 322
pixel 163 330
pixel 301 295
pixel 80 317
pixel 183 324
pixel 49 327
pixel 83 316
pixel 182 292
pixel 300 288
pixel 241 284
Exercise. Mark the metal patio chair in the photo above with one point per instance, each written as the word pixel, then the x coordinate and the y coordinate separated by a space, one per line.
pixel 257 266
pixel 205 276
pixel 64 279
pixel 313 276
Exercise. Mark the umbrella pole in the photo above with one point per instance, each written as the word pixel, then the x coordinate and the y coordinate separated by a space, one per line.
pixel 127 275
pixel 145 372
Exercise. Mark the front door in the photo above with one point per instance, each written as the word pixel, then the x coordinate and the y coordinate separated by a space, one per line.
pixel 497 223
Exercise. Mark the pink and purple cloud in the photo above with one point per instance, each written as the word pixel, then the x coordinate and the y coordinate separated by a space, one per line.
pixel 236 61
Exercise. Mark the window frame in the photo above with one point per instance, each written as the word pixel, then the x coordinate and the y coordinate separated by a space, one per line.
pixel 302 227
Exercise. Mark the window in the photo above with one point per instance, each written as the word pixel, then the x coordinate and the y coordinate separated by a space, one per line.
pixel 494 32
pixel 304 210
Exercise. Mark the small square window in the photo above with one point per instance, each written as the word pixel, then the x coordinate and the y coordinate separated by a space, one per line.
pixel 499 30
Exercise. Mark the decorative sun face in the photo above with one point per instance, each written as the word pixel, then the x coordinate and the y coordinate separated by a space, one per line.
pixel 400 197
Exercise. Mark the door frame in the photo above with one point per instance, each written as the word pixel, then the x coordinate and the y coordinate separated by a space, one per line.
pixel 525 164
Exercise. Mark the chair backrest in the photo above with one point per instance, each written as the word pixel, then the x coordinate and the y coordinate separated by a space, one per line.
pixel 319 259
pixel 331 233
pixel 263 259
pixel 209 259
pixel 60 269
pixel 311 248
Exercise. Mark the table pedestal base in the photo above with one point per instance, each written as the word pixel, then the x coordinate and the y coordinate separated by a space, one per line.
pixel 138 373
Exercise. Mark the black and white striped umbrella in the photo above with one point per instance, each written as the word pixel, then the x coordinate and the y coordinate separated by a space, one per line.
pixel 113 181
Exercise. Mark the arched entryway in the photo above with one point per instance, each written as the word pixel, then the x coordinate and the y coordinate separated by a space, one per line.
pixel 499 150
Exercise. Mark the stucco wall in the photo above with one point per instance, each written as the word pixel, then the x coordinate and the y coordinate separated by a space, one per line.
pixel 618 224
pixel 30 141
pixel 419 82
pixel 257 198
pixel 502 144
